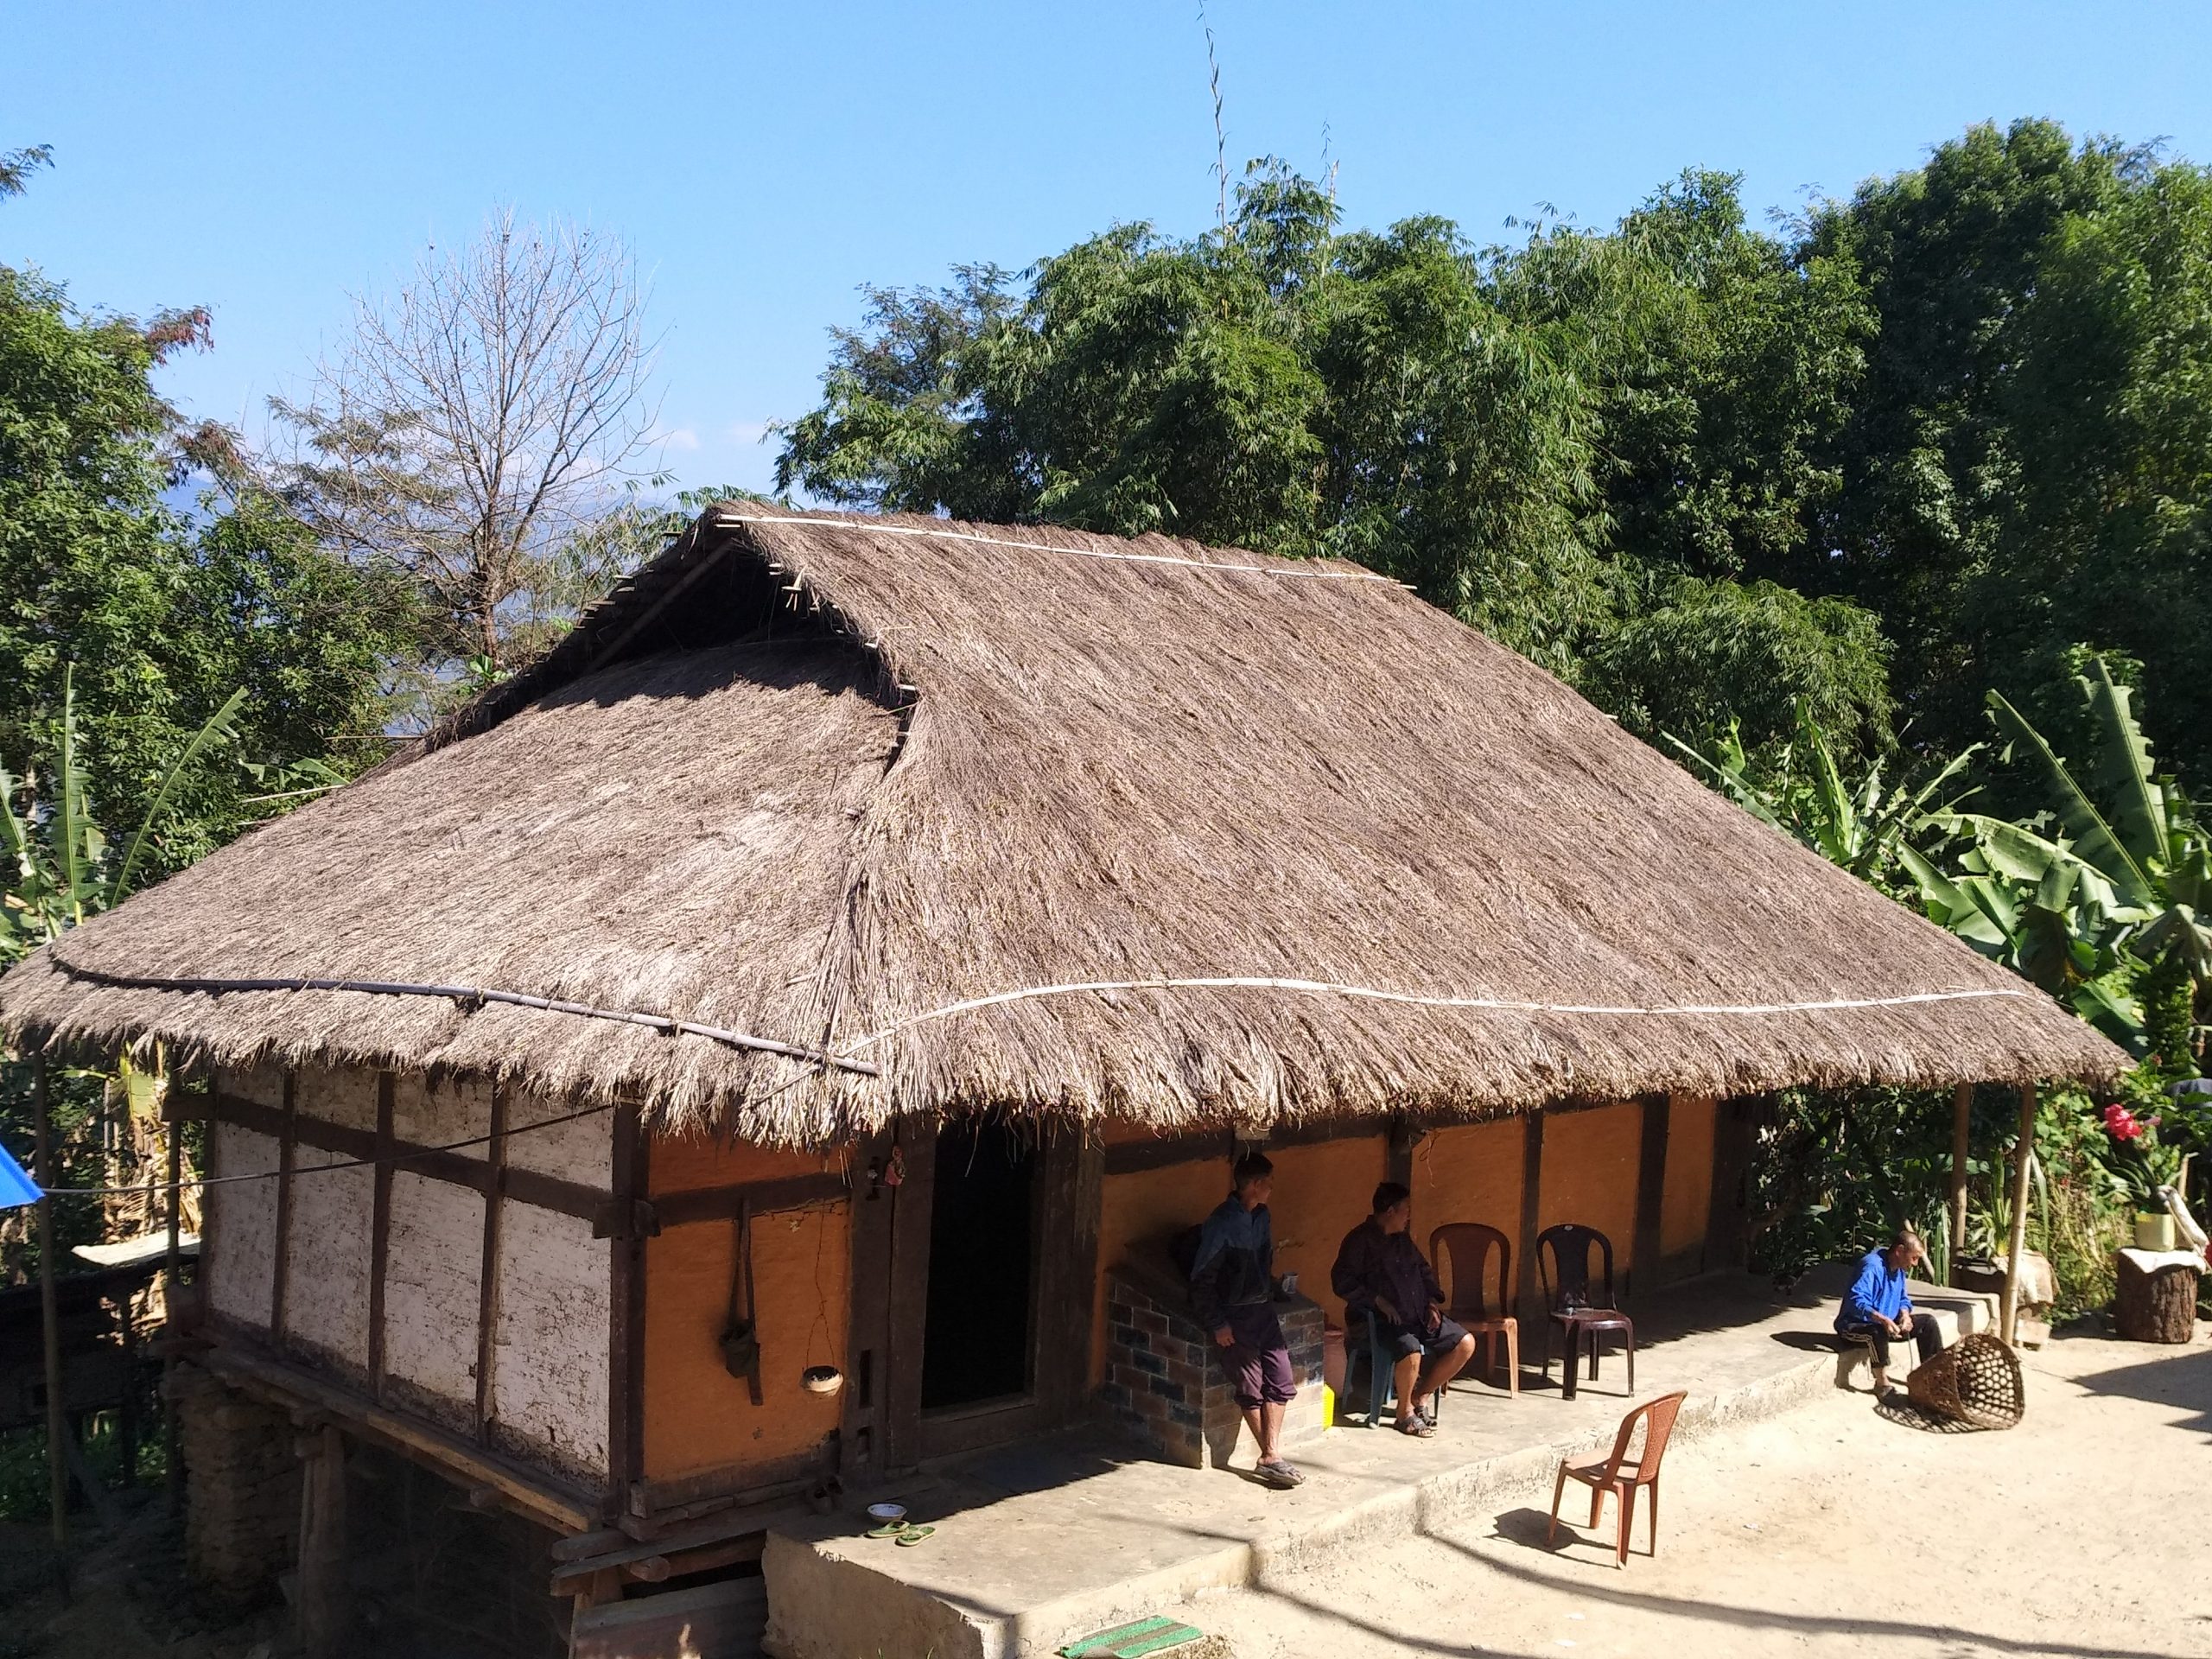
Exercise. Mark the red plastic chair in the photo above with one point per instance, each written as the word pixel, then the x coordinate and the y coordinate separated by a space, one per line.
pixel 1462 1251
pixel 1621 1475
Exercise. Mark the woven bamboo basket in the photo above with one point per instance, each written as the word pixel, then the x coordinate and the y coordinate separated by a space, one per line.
pixel 1976 1380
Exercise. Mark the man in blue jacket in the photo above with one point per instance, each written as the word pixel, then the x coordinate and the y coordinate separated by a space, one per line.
pixel 1232 1293
pixel 1875 1309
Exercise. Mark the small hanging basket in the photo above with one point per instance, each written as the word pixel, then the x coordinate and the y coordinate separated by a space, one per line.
pixel 1975 1381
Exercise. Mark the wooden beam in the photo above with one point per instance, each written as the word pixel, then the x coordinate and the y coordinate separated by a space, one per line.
pixel 1532 1188
pixel 522 1185
pixel 57 1417
pixel 625 1406
pixel 1650 1196
pixel 380 1233
pixel 1401 1135
pixel 1962 1136
pixel 2023 1149
pixel 281 1255
pixel 762 1198
pixel 487 1284
pixel 543 1500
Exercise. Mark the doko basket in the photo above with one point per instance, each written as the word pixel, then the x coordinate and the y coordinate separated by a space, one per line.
pixel 1976 1380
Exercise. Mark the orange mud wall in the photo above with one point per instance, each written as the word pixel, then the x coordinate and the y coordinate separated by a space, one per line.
pixel 1322 1192
pixel 1470 1172
pixel 1143 1206
pixel 1688 1205
pixel 1591 1160
pixel 698 1417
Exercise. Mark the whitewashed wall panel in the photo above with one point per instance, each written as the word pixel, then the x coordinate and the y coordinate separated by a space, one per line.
pixel 434 1266
pixel 326 1284
pixel 239 1267
pixel 582 1151
pixel 550 1345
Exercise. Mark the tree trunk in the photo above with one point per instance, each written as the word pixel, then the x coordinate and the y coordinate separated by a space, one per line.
pixel 2160 1305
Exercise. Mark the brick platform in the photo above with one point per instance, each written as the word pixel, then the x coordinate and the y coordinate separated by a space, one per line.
pixel 1163 1381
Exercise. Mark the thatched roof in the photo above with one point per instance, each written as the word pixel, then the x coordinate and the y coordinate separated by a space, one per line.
pixel 822 778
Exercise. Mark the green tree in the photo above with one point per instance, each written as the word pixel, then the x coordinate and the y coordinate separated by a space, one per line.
pixel 163 614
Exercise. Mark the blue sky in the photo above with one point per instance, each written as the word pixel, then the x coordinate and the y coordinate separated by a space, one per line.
pixel 765 161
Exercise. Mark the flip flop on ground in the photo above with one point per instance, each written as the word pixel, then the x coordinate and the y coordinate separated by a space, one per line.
pixel 1279 1473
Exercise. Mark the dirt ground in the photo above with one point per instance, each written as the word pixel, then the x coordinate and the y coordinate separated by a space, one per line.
pixel 2084 1532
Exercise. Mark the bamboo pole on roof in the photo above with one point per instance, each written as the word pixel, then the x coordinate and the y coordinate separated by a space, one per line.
pixel 57 1424
pixel 1962 1128
pixel 2023 1149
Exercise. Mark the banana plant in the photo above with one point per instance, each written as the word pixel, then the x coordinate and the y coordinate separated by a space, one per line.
pixel 56 853
pixel 1864 828
pixel 2112 881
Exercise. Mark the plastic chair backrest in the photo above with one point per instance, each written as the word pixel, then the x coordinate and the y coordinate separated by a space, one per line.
pixel 1461 1251
pixel 1567 1283
pixel 1661 1414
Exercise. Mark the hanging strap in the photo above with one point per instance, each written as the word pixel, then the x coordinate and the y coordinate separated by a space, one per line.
pixel 741 1337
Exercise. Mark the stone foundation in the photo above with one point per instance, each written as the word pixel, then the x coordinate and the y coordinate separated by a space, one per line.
pixel 242 1520
pixel 1162 1378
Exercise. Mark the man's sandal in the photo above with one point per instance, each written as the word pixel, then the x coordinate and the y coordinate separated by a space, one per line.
pixel 888 1529
pixel 911 1536
pixel 1280 1474
pixel 1420 1427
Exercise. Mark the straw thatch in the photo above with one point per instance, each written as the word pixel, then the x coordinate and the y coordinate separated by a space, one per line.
pixel 815 778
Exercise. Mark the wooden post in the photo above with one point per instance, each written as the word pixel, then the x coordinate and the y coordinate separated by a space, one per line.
pixel 1649 1238
pixel 1532 1180
pixel 379 1234
pixel 487 1286
pixel 1961 1126
pixel 323 1598
pixel 172 1272
pixel 280 1254
pixel 2022 1149
pixel 57 1422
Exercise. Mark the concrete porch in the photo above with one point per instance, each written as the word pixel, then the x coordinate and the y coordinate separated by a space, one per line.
pixel 1037 1544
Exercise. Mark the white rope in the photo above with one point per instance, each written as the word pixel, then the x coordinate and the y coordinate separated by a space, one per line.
pixel 1324 987
pixel 1044 547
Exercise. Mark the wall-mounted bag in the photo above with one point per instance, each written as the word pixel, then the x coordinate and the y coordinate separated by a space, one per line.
pixel 741 1341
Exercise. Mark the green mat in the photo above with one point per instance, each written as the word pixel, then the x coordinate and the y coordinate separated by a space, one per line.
pixel 1153 1635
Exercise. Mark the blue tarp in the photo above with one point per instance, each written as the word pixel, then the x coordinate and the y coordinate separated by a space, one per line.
pixel 17 1186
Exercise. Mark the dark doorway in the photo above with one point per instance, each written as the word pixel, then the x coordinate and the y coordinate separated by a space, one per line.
pixel 976 1340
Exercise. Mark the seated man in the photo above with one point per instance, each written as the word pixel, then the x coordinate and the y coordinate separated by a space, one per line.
pixel 1876 1309
pixel 1232 1288
pixel 1380 1268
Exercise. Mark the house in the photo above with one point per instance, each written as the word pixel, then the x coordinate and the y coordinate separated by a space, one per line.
pixel 868 931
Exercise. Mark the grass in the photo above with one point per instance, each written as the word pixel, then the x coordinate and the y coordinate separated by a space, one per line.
pixel 22 1462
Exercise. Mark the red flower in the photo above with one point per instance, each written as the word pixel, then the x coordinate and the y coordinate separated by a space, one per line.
pixel 2120 1123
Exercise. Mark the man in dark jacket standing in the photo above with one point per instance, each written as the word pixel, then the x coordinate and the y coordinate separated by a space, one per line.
pixel 1381 1270
pixel 1232 1293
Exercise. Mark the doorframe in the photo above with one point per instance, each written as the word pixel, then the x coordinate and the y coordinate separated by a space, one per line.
pixel 1066 1195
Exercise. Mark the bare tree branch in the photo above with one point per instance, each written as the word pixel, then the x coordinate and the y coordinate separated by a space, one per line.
pixel 488 413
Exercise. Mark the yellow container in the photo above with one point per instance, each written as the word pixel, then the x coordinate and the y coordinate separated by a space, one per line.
pixel 1328 1407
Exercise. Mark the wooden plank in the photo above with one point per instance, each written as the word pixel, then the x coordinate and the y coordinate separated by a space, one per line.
pixel 910 1286
pixel 287 1146
pixel 538 1496
pixel 1643 1273
pixel 57 1421
pixel 380 1232
pixel 1070 1204
pixel 1403 1135
pixel 721 1617
pixel 1529 1291
pixel 1723 1228
pixel 686 1548
pixel 487 1287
